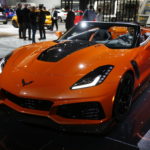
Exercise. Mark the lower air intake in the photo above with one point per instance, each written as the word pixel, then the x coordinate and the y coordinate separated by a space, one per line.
pixel 35 104
pixel 88 111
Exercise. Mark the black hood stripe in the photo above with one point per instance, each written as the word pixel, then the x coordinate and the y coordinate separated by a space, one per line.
pixel 61 50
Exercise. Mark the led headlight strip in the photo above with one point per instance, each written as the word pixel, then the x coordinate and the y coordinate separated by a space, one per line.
pixel 93 78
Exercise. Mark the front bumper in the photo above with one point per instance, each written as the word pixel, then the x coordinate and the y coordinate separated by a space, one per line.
pixel 46 122
pixel 88 114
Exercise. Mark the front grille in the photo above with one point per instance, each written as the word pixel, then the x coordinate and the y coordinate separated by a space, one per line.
pixel 35 104
pixel 86 110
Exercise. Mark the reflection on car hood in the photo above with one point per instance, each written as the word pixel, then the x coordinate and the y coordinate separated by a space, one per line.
pixel 61 50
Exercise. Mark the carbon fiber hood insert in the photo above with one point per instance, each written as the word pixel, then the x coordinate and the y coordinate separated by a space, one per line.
pixel 61 50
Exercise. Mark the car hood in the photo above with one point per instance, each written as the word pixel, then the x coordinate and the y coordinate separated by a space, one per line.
pixel 66 58
pixel 28 76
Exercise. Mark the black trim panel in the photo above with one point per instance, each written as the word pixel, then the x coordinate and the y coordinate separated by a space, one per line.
pixel 136 68
pixel 61 50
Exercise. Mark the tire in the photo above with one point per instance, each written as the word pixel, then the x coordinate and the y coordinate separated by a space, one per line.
pixel 5 22
pixel 123 98
pixel 49 27
pixel 14 23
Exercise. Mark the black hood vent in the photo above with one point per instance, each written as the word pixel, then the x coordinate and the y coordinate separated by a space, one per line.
pixel 61 50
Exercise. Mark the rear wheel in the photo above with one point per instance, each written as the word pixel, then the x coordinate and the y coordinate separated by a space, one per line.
pixel 14 23
pixel 123 99
pixel 49 27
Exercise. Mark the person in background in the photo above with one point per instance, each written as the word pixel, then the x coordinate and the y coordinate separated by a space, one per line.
pixel 19 14
pixel 70 18
pixel 89 14
pixel 99 16
pixel 26 20
pixel 54 19
pixel 33 19
pixel 41 22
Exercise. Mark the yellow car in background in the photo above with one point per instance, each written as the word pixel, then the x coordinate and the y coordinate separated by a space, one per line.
pixel 48 20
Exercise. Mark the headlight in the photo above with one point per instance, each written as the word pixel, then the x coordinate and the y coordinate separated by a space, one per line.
pixel 93 78
pixel 3 61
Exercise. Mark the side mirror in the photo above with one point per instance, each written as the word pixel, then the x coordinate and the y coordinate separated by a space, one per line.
pixel 58 34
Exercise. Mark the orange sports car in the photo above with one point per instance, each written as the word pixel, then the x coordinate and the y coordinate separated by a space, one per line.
pixel 83 80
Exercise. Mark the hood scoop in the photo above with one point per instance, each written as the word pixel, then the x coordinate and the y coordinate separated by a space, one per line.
pixel 61 50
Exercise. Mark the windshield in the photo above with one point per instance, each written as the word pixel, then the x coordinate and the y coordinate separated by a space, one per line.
pixel 112 36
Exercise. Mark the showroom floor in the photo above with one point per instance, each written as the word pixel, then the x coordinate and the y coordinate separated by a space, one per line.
pixel 132 134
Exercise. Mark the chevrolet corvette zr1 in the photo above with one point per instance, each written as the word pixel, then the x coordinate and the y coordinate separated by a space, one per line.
pixel 85 78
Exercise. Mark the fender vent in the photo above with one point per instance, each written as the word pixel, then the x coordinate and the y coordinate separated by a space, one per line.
pixel 136 68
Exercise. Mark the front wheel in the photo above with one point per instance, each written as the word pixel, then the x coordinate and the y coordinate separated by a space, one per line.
pixel 123 99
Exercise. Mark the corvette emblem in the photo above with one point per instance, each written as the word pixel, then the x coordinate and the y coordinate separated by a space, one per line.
pixel 26 83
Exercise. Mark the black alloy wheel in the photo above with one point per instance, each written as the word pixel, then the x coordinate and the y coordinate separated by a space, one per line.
pixel 123 99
